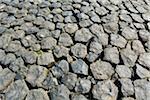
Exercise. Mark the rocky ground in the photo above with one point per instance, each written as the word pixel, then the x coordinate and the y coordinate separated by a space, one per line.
pixel 74 49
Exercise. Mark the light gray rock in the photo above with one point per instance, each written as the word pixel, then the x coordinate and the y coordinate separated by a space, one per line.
pixel 29 57
pixel 16 91
pixel 137 46
pixel 58 18
pixel 5 39
pixel 37 94
pixel 85 23
pixel 71 28
pixel 96 47
pixel 6 77
pixel 101 90
pixel 79 67
pixel 78 97
pixel 128 56
pixel 101 11
pixel 61 51
pixel 125 17
pixel 96 19
pixel 118 40
pixel 123 71
pixel 36 75
pixel 127 87
pixel 69 80
pixel 83 86
pixel 144 59
pixel 64 65
pixel 144 35
pixel 57 72
pixel 48 43
pixel 111 27
pixel 48 25
pixel 142 89
pixel 137 18
pixel 45 58
pixel 79 50
pixel 91 57
pixel 83 35
pixel 127 98
pixel 9 58
pixel 142 72
pixel 101 69
pixel 43 33
pixel 129 33
pixel 146 16
pixel 65 40
pixel 59 92
pixel 111 54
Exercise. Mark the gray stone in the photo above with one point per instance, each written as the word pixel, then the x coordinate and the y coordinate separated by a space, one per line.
pixel 144 35
pixel 137 46
pixel 59 92
pixel 29 57
pixel 16 91
pixel 137 18
pixel 49 82
pixel 57 72
pixel 101 69
pixel 79 67
pixel 96 19
pixel 96 47
pixel 111 27
pixel 83 86
pixel 144 59
pixel 146 16
pixel 82 16
pixel 142 72
pixel 65 40
pixel 5 39
pixel 142 89
pixel 101 11
pixel 36 75
pixel 101 90
pixel 61 51
pixel 78 97
pixel 79 50
pixel 129 33
pixel 127 87
pixel 127 98
pixel 125 17
pixel 6 77
pixel 58 18
pixel 123 71
pixel 13 46
pixel 64 65
pixel 91 57
pixel 43 33
pixel 128 56
pixel 85 23
pixel 71 28
pixel 19 34
pixel 83 35
pixel 48 25
pixel 111 54
pixel 45 58
pixel 10 57
pixel 37 94
pixel 118 40
pixel 48 43
pixel 69 80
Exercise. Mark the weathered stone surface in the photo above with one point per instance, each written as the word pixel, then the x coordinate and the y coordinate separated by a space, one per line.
pixel 59 92
pixel 144 59
pixel 126 87
pixel 101 69
pixel 79 67
pixel 16 91
pixel 37 94
pixel 79 50
pixel 45 58
pixel 6 77
pixel 61 51
pixel 36 75
pixel 83 35
pixel 111 54
pixel 78 97
pixel 83 86
pixel 138 47
pixel 71 28
pixel 101 91
pixel 48 43
pixel 65 40
pixel 142 89
pixel 142 72
pixel 123 71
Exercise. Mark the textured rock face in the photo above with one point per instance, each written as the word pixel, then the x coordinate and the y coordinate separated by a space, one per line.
pixel 74 49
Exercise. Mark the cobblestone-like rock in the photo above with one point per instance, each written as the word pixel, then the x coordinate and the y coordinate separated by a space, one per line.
pixel 79 50
pixel 144 59
pixel 37 94
pixel 101 91
pixel 142 72
pixel 71 28
pixel 101 69
pixel 6 77
pixel 78 97
pixel 36 75
pixel 111 54
pixel 16 91
pixel 79 67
